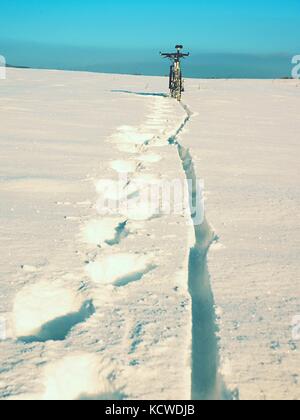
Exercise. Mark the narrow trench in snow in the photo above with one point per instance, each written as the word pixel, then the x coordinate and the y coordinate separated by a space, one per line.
pixel 207 383
pixel 129 92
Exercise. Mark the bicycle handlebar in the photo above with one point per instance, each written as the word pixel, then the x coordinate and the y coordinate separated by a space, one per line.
pixel 174 55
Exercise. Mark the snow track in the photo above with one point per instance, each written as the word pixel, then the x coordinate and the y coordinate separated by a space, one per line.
pixel 111 270
pixel 207 382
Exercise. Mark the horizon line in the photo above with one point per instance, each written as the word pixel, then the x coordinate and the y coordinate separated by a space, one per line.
pixel 74 70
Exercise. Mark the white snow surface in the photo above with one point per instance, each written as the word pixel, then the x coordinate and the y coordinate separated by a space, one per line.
pixel 244 140
pixel 96 306
pixel 90 311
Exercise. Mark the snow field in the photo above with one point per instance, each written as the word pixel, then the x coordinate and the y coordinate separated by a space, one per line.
pixel 105 313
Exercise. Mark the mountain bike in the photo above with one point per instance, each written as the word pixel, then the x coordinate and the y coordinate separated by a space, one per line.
pixel 176 82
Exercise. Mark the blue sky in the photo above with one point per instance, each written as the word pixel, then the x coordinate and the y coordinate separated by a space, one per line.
pixel 42 32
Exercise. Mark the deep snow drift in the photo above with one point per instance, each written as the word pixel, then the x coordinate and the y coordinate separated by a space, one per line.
pixel 109 294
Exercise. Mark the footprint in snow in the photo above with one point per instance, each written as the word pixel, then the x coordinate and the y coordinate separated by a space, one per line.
pixel 131 137
pixel 108 231
pixel 128 148
pixel 123 166
pixel 120 269
pixel 116 190
pixel 29 268
pixel 48 311
pixel 79 376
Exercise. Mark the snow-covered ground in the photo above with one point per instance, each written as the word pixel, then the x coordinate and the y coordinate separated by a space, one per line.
pixel 245 144
pixel 123 303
